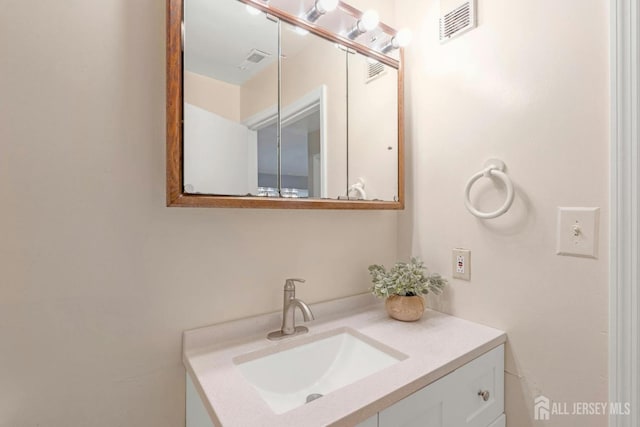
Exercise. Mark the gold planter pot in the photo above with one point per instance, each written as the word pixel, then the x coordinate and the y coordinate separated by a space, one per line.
pixel 407 309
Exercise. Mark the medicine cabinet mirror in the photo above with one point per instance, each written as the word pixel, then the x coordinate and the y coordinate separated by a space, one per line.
pixel 276 105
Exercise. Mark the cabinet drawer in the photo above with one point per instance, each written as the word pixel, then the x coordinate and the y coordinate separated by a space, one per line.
pixel 479 389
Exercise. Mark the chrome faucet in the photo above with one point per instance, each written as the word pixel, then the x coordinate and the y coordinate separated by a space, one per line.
pixel 290 303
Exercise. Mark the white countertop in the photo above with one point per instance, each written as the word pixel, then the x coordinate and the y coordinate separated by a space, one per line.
pixel 436 345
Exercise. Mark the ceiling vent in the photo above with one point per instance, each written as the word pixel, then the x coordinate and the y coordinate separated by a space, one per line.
pixel 254 57
pixel 456 18
pixel 375 69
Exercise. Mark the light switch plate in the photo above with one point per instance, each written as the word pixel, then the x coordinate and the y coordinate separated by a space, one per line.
pixel 578 230
pixel 461 268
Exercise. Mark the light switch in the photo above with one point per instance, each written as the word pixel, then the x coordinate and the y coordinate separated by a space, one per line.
pixel 578 232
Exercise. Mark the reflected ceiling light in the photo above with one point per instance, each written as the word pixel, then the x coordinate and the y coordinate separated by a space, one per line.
pixel 401 39
pixel 300 31
pixel 321 7
pixel 367 22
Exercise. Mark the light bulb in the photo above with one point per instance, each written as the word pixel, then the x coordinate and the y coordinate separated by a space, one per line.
pixel 325 6
pixel 252 10
pixel 369 20
pixel 403 37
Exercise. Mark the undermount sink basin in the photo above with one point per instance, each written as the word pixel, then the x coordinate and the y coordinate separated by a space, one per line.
pixel 288 375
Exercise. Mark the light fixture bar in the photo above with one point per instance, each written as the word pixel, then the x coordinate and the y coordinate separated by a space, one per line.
pixel 369 20
pixel 401 39
pixel 320 7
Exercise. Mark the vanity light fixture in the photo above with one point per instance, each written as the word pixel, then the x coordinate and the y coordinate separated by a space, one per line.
pixel 321 7
pixel 401 39
pixel 367 22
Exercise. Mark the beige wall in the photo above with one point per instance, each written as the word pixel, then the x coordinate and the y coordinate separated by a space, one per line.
pixel 530 86
pixel 260 92
pixel 99 279
pixel 213 95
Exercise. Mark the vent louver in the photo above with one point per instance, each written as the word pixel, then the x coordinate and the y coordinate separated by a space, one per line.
pixel 456 21
pixel 374 70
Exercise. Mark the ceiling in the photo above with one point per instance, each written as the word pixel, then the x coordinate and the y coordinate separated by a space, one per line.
pixel 220 34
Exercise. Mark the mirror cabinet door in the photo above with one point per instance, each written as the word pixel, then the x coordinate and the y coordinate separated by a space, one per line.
pixel 230 82
pixel 373 128
pixel 314 115
pixel 273 115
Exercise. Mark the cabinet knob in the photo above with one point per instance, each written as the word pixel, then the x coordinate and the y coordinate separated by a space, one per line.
pixel 484 394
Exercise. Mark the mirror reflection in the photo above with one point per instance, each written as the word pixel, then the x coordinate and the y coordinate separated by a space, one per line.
pixel 373 149
pixel 314 110
pixel 273 110
pixel 230 79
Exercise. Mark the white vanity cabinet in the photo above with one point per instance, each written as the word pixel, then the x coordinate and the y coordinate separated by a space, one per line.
pixel 449 371
pixel 371 422
pixel 471 396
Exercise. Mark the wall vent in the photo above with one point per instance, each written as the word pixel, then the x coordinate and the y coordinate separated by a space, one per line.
pixel 456 18
pixel 374 70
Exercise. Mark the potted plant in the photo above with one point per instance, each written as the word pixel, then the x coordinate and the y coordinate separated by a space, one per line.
pixel 403 287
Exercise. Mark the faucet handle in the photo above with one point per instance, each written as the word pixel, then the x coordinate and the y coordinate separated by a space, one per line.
pixel 290 284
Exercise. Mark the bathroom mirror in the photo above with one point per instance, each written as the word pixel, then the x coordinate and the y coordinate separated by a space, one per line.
pixel 373 98
pixel 314 73
pixel 265 109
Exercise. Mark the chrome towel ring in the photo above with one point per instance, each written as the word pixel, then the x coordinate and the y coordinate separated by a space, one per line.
pixel 492 167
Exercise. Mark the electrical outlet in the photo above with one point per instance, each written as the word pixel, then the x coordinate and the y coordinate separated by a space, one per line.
pixel 462 264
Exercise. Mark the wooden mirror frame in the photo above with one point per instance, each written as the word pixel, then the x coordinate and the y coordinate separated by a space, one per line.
pixel 175 188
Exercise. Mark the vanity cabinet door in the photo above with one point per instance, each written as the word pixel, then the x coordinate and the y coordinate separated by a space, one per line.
pixel 426 407
pixel 196 413
pixel 457 400
pixel 500 422
pixel 484 375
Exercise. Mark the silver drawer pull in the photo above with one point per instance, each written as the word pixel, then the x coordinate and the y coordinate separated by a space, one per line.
pixel 484 394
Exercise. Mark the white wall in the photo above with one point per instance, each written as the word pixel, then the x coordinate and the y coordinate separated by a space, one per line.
pixel 219 154
pixel 529 85
pixel 99 278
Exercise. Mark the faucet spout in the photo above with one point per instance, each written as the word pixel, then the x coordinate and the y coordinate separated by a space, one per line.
pixel 289 306
pixel 307 314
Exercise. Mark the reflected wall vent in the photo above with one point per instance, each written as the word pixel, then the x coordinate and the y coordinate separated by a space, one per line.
pixel 456 18
pixel 374 70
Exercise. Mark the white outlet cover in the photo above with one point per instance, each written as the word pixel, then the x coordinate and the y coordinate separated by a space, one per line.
pixel 578 232
pixel 461 260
